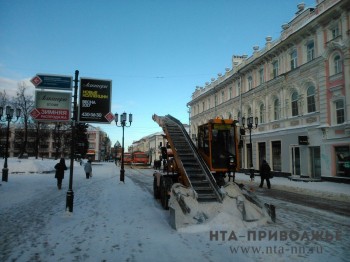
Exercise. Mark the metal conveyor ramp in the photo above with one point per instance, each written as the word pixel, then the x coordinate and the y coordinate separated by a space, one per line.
pixel 191 166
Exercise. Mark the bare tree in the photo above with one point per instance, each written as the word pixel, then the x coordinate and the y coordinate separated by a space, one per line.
pixel 26 103
pixel 3 102
pixel 3 98
pixel 106 143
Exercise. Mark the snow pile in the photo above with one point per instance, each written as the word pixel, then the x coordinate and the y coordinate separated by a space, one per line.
pixel 32 165
pixel 239 209
pixel 25 166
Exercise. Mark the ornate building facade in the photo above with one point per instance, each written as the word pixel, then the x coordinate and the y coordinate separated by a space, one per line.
pixel 298 86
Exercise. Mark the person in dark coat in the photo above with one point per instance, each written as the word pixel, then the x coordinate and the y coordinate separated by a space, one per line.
pixel 265 174
pixel 231 168
pixel 60 168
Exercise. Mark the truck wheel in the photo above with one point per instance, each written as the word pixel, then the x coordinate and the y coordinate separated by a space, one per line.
pixel 164 193
pixel 219 178
pixel 156 192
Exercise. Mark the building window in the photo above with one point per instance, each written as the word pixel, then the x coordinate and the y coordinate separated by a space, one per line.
pixel 261 76
pixel 311 105
pixel 293 60
pixel 250 83
pixel 335 31
pixel 208 103
pixel 342 160
pixel 238 88
pixel 275 69
pixel 249 112
pixel 276 155
pixel 261 114
pixel 222 96
pixel 295 110
pixel 340 111
pixel 338 66
pixel 230 92
pixel 203 106
pixel 276 109
pixel 310 49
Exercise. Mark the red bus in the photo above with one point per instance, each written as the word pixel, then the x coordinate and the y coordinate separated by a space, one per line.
pixel 140 158
pixel 127 158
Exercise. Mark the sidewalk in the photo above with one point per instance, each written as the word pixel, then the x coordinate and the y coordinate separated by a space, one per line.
pixel 328 190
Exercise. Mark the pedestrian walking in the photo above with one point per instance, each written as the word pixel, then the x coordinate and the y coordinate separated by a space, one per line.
pixel 265 174
pixel 88 169
pixel 231 168
pixel 59 175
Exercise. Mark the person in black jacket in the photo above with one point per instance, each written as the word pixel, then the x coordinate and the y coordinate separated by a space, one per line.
pixel 60 167
pixel 231 168
pixel 265 174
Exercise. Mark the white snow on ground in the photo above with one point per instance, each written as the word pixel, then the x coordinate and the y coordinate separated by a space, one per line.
pixel 112 221
pixel 330 190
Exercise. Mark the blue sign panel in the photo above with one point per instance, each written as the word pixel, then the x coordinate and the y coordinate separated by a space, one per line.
pixel 58 82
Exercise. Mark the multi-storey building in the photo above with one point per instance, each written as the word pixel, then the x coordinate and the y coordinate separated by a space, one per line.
pixel 152 144
pixel 51 141
pixel 298 86
pixel 99 144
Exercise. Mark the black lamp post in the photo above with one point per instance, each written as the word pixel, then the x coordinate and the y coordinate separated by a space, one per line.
pixel 58 139
pixel 9 115
pixel 122 124
pixel 250 127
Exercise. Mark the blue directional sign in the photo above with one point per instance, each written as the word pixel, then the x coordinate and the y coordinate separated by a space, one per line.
pixel 57 82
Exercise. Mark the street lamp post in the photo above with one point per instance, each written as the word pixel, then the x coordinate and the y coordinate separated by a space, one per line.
pixel 57 139
pixel 250 127
pixel 9 115
pixel 122 124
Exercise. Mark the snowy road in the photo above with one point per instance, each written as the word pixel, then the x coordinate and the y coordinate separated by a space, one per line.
pixel 303 214
pixel 335 206
pixel 123 222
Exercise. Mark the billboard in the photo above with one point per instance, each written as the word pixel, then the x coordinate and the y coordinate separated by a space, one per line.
pixel 52 106
pixel 95 101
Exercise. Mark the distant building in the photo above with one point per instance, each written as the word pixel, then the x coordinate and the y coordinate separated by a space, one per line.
pixel 51 141
pixel 99 144
pixel 149 144
pixel 152 144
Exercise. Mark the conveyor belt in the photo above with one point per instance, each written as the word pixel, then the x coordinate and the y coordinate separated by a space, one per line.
pixel 188 160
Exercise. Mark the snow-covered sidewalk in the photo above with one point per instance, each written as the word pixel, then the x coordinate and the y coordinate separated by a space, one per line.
pixel 329 190
pixel 113 221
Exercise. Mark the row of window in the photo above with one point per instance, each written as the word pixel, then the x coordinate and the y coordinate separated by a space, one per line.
pixel 337 68
pixel 338 105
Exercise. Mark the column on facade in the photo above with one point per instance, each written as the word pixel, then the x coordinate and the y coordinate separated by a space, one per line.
pixel 347 80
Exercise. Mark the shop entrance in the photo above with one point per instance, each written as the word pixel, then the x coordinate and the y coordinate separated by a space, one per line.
pixel 315 156
pixel 296 161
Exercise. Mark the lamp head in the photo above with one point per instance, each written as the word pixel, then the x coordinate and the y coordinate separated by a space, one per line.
pixel 243 121
pixel 116 118
pixel 123 118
